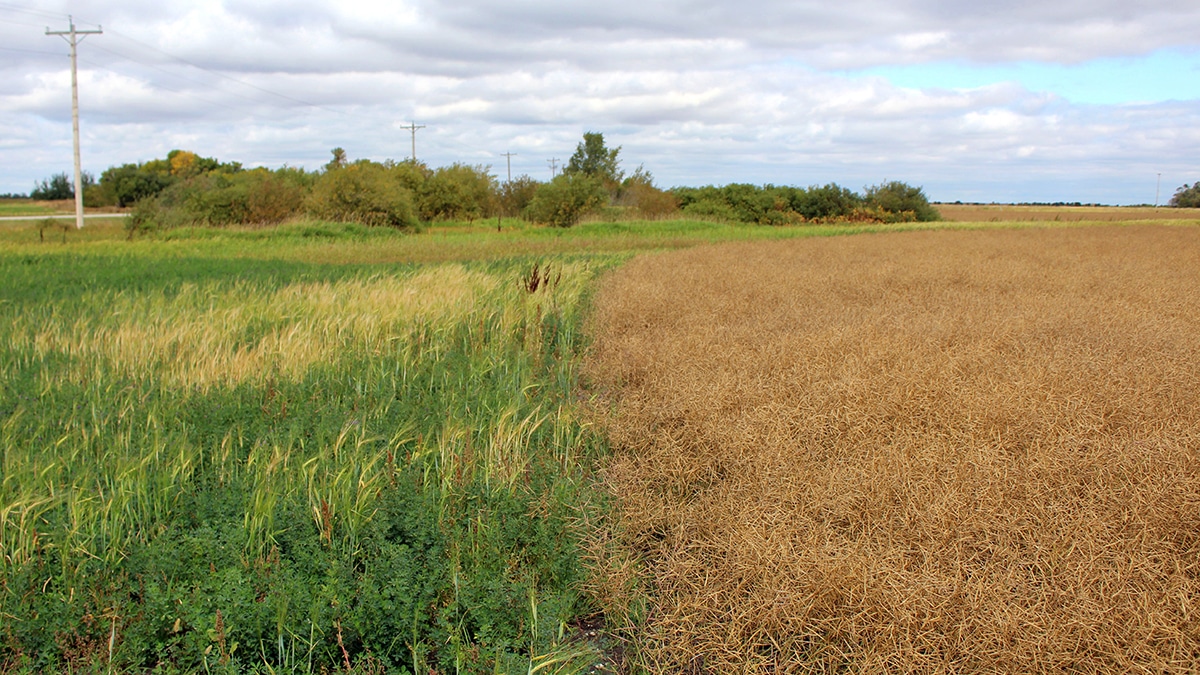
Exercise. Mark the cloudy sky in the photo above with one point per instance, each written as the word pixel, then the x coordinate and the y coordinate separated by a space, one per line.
pixel 1009 100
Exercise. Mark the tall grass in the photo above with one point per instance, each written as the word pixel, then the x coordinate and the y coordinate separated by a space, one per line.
pixel 227 465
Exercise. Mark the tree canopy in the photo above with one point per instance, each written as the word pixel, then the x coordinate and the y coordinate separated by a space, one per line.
pixel 1187 197
pixel 593 158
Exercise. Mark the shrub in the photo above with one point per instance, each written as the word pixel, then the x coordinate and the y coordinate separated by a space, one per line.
pixel 901 201
pixel 566 199
pixel 1187 197
pixel 364 192
pixel 826 203
pixel 516 194
pixel 59 186
pixel 457 192
pixel 273 197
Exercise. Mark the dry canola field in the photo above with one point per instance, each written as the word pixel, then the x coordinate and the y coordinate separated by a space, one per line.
pixel 943 451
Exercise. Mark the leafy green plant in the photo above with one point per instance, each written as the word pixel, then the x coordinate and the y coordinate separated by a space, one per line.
pixel 363 192
pixel 566 199
pixel 1187 197
pixel 901 202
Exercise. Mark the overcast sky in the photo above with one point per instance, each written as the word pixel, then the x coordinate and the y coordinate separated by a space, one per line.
pixel 1018 100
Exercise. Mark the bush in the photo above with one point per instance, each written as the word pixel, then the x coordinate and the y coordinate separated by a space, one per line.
pixel 826 203
pixel 273 197
pixel 902 202
pixel 1187 197
pixel 516 194
pixel 363 192
pixel 566 199
pixel 458 192
pixel 59 186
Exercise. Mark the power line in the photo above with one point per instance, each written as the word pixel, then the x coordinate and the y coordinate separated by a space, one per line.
pixel 413 126
pixel 508 156
pixel 32 12
pixel 172 74
pixel 29 51
pixel 228 77
pixel 553 162
pixel 75 37
pixel 181 92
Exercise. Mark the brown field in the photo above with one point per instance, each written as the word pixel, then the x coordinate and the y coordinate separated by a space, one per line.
pixel 942 451
pixel 993 213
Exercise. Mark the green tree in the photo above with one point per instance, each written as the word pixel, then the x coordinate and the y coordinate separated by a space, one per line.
pixel 900 201
pixel 566 199
pixel 338 161
pixel 363 192
pixel 1187 197
pixel 59 186
pixel 826 202
pixel 593 158
pixel 517 194
pixel 458 192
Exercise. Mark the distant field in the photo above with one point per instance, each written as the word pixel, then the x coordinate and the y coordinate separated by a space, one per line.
pixel 920 452
pixel 27 207
pixel 988 213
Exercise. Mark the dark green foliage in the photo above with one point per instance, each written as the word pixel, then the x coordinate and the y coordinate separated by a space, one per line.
pixel 59 186
pixel 457 192
pixel 410 174
pixel 593 158
pixel 900 201
pixel 363 192
pixel 1187 197
pixel 217 198
pixel 516 194
pixel 127 184
pixel 826 202
pixel 781 205
pixel 566 199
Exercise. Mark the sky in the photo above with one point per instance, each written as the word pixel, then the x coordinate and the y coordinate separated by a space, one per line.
pixel 1093 101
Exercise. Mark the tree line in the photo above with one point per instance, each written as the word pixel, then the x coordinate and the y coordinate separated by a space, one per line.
pixel 186 189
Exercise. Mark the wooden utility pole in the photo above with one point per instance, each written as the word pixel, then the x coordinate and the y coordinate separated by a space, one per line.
pixel 413 126
pixel 508 156
pixel 553 162
pixel 73 38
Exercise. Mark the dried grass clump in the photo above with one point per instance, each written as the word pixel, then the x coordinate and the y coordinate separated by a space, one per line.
pixel 915 452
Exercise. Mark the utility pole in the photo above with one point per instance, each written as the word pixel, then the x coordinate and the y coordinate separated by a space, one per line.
pixel 509 156
pixel 73 38
pixel 413 126
pixel 1157 187
pixel 553 162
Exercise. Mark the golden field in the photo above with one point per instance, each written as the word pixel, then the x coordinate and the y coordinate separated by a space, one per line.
pixel 993 213
pixel 944 451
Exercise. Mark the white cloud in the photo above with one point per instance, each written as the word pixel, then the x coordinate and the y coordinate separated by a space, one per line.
pixel 698 90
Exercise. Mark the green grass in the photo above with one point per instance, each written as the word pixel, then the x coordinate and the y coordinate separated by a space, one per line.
pixel 351 244
pixel 25 207
pixel 235 465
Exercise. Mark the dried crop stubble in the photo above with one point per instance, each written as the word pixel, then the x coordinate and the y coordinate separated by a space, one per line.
pixel 934 451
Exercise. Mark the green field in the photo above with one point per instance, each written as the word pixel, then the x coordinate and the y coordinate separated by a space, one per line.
pixel 246 463
pixel 305 449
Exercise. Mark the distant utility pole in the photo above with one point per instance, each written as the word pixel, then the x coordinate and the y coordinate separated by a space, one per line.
pixel 73 38
pixel 1157 187
pixel 553 162
pixel 413 126
pixel 509 156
